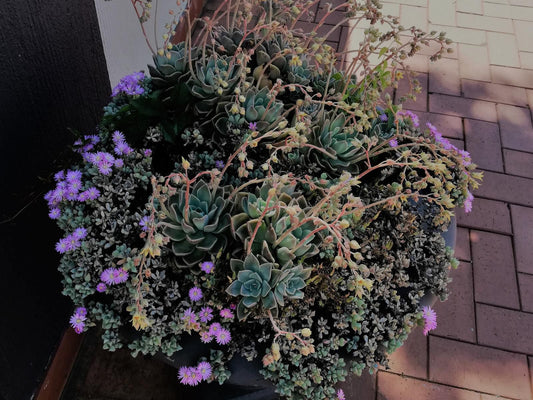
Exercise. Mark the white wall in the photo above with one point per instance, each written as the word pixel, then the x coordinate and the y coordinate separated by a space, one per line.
pixel 125 47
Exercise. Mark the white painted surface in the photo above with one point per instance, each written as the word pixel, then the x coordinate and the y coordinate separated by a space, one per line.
pixel 125 47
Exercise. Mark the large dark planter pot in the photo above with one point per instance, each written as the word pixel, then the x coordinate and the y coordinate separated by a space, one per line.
pixel 246 383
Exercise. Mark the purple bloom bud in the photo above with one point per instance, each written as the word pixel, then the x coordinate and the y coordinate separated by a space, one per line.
pixel 204 368
pixel 145 223
pixel 101 287
pixel 252 126
pixel 226 313
pixel 92 193
pixel 108 276
pixel 59 176
pixel 73 176
pixel 81 311
pixel 383 117
pixel 129 85
pixel 340 395
pixel 207 267
pixel 54 213
pixel 77 321
pixel 62 246
pixel 430 319
pixel 121 276
pixel 468 202
pixel 119 163
pixel 393 143
pixel 147 153
pixel 118 137
pixel 223 336
pixel 219 164
pixel 206 337
pixel 80 233
pixel 206 314
pixel 195 294
pixel 214 328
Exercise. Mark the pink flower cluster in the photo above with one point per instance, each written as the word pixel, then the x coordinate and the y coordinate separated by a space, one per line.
pixel 221 335
pixel 77 320
pixel 411 115
pixel 72 241
pixel 113 276
pixel 194 375
pixel 340 395
pixel 430 319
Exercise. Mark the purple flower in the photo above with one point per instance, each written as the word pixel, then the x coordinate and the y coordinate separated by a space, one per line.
pixel 252 126
pixel 122 148
pixel 80 233
pixel 118 137
pixel 340 395
pixel 468 202
pixel 232 306
pixel 119 163
pixel 195 294
pixel 83 196
pixel 129 85
pixel 430 319
pixel 54 213
pixel 101 287
pixel 214 328
pixel 383 117
pixel 206 314
pixel 104 167
pixel 393 143
pixel 62 246
pixel 189 316
pixel 73 242
pixel 223 336
pixel 207 267
pixel 226 313
pixel 93 138
pixel 219 164
pixel 74 186
pixel 81 311
pixel 121 276
pixel 411 115
pixel 71 195
pixel 108 276
pixel 77 321
pixel 204 368
pixel 147 153
pixel 92 193
pixel 145 223
pixel 205 337
pixel 73 176
pixel 189 376
pixel 59 176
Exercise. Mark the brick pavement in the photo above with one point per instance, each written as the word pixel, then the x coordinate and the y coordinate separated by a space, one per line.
pixel 481 95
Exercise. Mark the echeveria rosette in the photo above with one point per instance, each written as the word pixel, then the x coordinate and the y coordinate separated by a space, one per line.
pixel 171 69
pixel 289 283
pixel 201 228
pixel 276 238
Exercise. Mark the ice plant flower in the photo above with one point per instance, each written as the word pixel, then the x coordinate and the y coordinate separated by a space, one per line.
pixel 383 117
pixel 189 316
pixel 206 314
pixel 121 276
pixel 223 336
pixel 204 368
pixel 219 164
pixel 195 294
pixel 129 85
pixel 147 153
pixel 108 276
pixel 54 213
pixel 430 319
pixel 101 287
pixel 393 143
pixel 77 320
pixel 189 376
pixel 226 313
pixel 340 395
pixel 145 223
pixel 252 126
pixel 468 202
pixel 207 267
pixel 214 328
pixel 80 233
pixel 411 115
pixel 205 337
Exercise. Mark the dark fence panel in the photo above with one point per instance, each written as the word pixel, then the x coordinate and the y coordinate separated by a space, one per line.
pixel 52 76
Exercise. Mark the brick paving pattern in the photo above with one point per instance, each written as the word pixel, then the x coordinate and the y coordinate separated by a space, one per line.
pixel 482 96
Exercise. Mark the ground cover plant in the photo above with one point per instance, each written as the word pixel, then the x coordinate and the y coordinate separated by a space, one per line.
pixel 259 192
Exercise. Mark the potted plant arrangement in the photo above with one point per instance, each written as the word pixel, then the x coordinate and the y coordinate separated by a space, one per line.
pixel 249 201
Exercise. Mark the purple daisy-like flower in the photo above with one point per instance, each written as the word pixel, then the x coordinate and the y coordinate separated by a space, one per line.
pixel 62 246
pixel 252 126
pixel 206 314
pixel 189 316
pixel 195 294
pixel 144 223
pixel 108 276
pixel 80 233
pixel 195 377
pixel 383 117
pixel 430 319
pixel 223 336
pixel 205 337
pixel 83 196
pixel 214 328
pixel 92 193
pixel 54 213
pixel 122 148
pixel 71 195
pixel 411 115
pixel 219 164
pixel 105 168
pixel 340 395
pixel 118 137
pixel 119 163
pixel 92 138
pixel 204 368
pixel 207 266
pixel 147 153
pixel 74 186
pixel 468 202
pixel 184 375
pixel 73 176
pixel 73 242
pixel 226 313
pixel 81 311
pixel 59 176
pixel 57 195
pixel 129 85
pixel 77 321
pixel 121 275
pixel 393 143
pixel 101 287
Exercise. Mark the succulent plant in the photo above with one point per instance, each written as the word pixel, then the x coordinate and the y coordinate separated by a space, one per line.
pixel 271 61
pixel 227 41
pixel 300 72
pixel 213 80
pixel 199 227
pixel 289 283
pixel 170 70
pixel 275 239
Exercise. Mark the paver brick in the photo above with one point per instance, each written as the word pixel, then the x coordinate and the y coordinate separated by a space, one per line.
pixel 462 35
pixel 494 270
pixel 512 76
pixel 518 163
pixel 418 63
pixel 508 11
pixel 461 107
pixel 503 49
pixel 411 358
pixel 487 215
pixel 515 127
pixel 448 125
pixel 420 104
pixel 523 238
pixel 483 22
pixel 444 77
pixel 456 316
pixel 508 188
pixel 505 329
pixel 474 62
pixel 525 283
pixel 524 30
pixel 526 59
pixel 483 143
pixel 494 92
pixel 414 16
pixel 478 368
pixel 470 6
pixel 394 387
pixel 363 387
pixel 462 245
pixel 419 3
pixel 530 98
pixel 442 12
